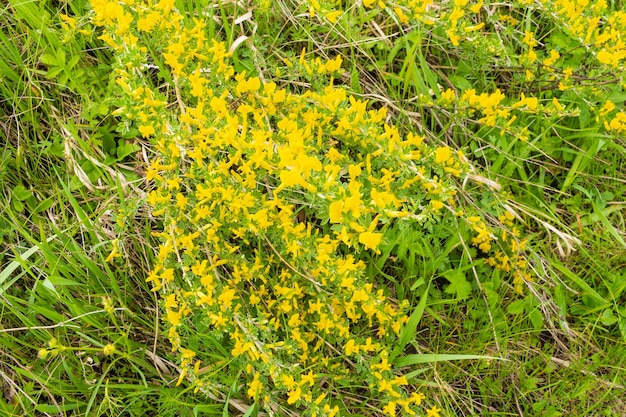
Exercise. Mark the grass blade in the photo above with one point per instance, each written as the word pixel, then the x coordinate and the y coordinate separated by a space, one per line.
pixel 435 357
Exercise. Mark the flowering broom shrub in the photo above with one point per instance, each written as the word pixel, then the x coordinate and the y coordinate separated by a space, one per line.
pixel 273 204
pixel 524 85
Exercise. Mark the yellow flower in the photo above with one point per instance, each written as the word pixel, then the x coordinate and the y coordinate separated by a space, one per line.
pixel 400 380
pixel 218 320
pixel 336 211
pixel 529 39
pixel 165 6
pixel 370 240
pixel 567 73
pixel 173 317
pixel 294 395
pixel 168 275
pixel 448 96
pixel 241 347
pixel 474 28
pixel 442 154
pixel 170 301
pixel 417 398
pixel 187 354
pixel 255 386
pixel 476 7
pixel 530 103
pixel 291 177
pixel 308 379
pixel 181 377
pixel 69 20
pixel 353 204
pixel 332 16
pixel 351 347
pixel 436 204
pixel 390 409
pixel 608 107
pixel 107 12
pixel 454 38
pixel 456 14
pixel 433 412
pixel 294 320
pixel 226 298
pixel 554 56
pixel 608 58
pixel 331 412
pixel 148 22
pixel 108 350
pixel 146 130
pixel 114 252
pixel 401 16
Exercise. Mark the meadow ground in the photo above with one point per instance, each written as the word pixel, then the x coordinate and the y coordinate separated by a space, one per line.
pixel 298 207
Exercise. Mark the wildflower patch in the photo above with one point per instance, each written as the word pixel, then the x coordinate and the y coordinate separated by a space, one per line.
pixel 271 204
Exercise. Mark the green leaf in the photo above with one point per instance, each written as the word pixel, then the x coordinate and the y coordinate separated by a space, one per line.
pixel 17 205
pixel 250 410
pixel 49 60
pixel 61 57
pixel 54 72
pixel 13 265
pixel 608 318
pixel 458 286
pixel 54 409
pixel 622 327
pixel 44 205
pixel 48 313
pixel 516 307
pixel 435 357
pixel 126 149
pixel 536 318
pixel 408 332
pixel 607 224
pixel 617 97
pixel 22 193
pixel 460 82
pixel 59 280
pixel 73 62
pixel 580 282
pixel 530 383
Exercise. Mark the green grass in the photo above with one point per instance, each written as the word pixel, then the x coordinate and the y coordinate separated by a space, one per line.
pixel 72 186
pixel 60 196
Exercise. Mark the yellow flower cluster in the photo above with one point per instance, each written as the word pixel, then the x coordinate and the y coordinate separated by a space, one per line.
pixel 496 110
pixel 458 17
pixel 514 261
pixel 314 67
pixel 269 202
pixel 595 25
pixel 545 74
